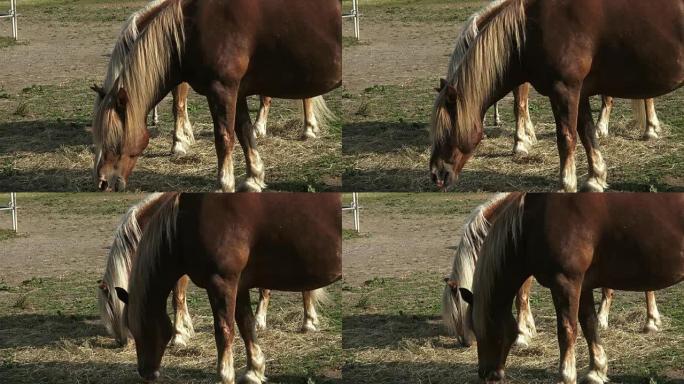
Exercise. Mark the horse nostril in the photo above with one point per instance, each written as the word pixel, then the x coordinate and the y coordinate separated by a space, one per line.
pixel 102 185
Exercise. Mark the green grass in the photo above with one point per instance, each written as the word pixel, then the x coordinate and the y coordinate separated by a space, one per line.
pixel 8 234
pixel 392 332
pixel 6 42
pixel 51 333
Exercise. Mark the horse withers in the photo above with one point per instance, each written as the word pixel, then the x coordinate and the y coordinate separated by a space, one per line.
pixel 228 244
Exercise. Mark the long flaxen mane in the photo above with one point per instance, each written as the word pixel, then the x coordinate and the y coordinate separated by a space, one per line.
pixel 157 240
pixel 118 268
pixel 503 237
pixel 142 74
pixel 485 51
pixel 473 235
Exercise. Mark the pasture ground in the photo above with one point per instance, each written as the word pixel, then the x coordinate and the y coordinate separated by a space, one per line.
pixel 46 113
pixel 391 324
pixel 389 80
pixel 50 330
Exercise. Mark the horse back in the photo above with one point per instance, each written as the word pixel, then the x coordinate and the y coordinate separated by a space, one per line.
pixel 278 241
pixel 622 241
pixel 610 45
pixel 282 48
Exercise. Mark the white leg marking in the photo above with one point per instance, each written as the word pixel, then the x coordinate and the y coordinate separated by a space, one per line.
pixel 597 182
pixel 226 177
pixel 569 175
pixel 256 368
pixel 568 370
pixel 183 329
pixel 225 368
pixel 598 370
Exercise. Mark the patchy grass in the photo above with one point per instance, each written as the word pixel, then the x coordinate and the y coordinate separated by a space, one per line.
pixel 392 332
pixel 51 334
pixel 48 146
pixel 6 42
pixel 8 234
pixel 84 204
pixel 386 145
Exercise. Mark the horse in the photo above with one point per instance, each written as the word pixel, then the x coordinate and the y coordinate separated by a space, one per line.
pixel 317 116
pixel 121 256
pixel 474 232
pixel 540 43
pixel 180 44
pixel 228 244
pixel 571 243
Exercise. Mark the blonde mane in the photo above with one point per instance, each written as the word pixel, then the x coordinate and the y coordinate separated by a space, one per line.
pixel 159 233
pixel 477 65
pixel 474 232
pixel 118 267
pixel 502 237
pixel 142 73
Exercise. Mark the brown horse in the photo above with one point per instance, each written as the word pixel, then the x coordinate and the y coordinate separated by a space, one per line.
pixel 543 43
pixel 571 243
pixel 454 309
pixel 118 267
pixel 228 244
pixel 180 44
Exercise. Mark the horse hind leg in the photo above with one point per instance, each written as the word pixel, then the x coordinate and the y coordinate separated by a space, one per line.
pixel 310 122
pixel 566 302
pixel 652 124
pixel 606 301
pixel 497 116
pixel 262 308
pixel 309 299
pixel 183 136
pixel 598 362
pixel 652 315
pixel 256 361
pixel 525 136
pixel 526 327
pixel 604 117
pixel 261 122
pixel 255 166
pixel 596 182
pixel 222 297
pixel 183 329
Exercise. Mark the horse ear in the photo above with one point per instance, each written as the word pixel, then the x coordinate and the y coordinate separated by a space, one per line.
pixel 99 90
pixel 122 294
pixel 122 99
pixel 465 294
pixel 442 83
pixel 450 94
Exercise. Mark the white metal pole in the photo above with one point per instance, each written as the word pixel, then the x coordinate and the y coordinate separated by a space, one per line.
pixel 13 205
pixel 13 6
pixel 357 29
pixel 355 204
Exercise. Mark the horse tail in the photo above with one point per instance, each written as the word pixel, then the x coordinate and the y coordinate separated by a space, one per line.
pixel 320 297
pixel 324 116
pixel 639 109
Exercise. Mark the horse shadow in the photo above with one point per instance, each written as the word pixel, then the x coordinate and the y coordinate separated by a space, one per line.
pixel 38 330
pixel 382 137
pixel 387 331
pixel 43 136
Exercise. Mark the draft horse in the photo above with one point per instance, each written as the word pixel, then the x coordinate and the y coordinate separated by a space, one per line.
pixel 180 44
pixel 571 243
pixel 543 43
pixel 118 266
pixel 454 309
pixel 228 244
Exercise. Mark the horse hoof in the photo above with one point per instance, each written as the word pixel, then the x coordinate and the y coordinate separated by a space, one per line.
pixel 179 341
pixel 259 129
pixel 307 135
pixel 251 185
pixel 602 323
pixel 308 328
pixel 520 150
pixel 650 328
pixel 593 377
pixel 593 185
pixel 260 324
pixel 650 135
pixel 521 342
pixel 250 377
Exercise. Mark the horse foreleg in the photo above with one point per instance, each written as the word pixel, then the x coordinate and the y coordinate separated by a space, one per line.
pixel 310 316
pixel 598 362
pixel 155 116
pixel 566 302
pixel 565 104
pixel 256 362
pixel 254 182
pixel 222 297
pixel 652 314
pixel 606 301
pixel 183 137
pixel 222 104
pixel 596 182
pixel 497 116
pixel 262 308
pixel 262 116
pixel 524 129
pixel 652 128
pixel 604 117
pixel 183 329
pixel 526 326
pixel 310 123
